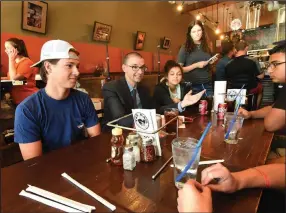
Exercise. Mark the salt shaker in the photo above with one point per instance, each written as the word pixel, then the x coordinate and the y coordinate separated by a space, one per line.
pixel 129 162
pixel 133 140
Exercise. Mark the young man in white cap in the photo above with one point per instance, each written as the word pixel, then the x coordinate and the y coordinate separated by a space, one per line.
pixel 57 115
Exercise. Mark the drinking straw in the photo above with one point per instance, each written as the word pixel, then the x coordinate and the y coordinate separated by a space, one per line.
pixel 205 90
pixel 190 163
pixel 234 116
pixel 238 94
pixel 159 171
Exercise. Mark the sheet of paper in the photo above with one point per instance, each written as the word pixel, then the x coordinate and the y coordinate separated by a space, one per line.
pixel 232 93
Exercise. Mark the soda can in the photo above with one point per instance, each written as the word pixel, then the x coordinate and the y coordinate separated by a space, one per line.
pixel 222 109
pixel 203 107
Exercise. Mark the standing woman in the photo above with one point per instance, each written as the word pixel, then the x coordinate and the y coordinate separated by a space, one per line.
pixel 19 69
pixel 193 57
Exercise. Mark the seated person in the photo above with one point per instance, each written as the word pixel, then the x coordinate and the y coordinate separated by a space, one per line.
pixel 171 92
pixel 19 69
pixel 56 115
pixel 274 116
pixel 228 52
pixel 242 70
pixel 123 95
pixel 196 197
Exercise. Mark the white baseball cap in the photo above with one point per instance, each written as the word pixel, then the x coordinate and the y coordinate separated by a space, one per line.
pixel 56 49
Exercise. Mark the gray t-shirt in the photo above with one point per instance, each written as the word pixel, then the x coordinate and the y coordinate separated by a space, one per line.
pixel 198 75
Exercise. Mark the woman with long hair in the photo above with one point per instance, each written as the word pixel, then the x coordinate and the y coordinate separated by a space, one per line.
pixel 19 69
pixel 193 57
pixel 172 92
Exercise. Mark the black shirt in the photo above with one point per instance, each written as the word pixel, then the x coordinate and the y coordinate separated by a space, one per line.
pixel 242 70
pixel 280 102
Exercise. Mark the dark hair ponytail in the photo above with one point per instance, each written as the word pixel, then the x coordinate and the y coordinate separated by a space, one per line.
pixel 20 46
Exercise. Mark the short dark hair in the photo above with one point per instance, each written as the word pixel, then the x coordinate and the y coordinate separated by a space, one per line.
pixel 128 55
pixel 171 64
pixel 241 45
pixel 279 48
pixel 19 45
pixel 226 47
pixel 43 71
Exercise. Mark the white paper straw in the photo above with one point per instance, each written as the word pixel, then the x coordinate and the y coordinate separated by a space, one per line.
pixel 91 193
pixel 48 202
pixel 60 199
pixel 206 162
pixel 210 162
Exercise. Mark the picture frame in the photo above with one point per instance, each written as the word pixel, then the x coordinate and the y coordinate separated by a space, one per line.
pixel 166 43
pixel 101 32
pixel 34 16
pixel 139 40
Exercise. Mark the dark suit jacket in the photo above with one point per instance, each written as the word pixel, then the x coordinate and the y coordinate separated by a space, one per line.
pixel 118 102
pixel 162 96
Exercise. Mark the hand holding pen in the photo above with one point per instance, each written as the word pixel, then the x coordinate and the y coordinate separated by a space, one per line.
pixel 225 180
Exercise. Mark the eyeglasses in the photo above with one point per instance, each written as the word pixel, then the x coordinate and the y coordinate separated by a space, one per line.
pixel 136 68
pixel 273 64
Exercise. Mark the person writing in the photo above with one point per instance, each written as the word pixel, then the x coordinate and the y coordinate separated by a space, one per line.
pixel 19 69
pixel 56 115
pixel 196 197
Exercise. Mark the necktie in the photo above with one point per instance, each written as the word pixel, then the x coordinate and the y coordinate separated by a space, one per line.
pixel 134 93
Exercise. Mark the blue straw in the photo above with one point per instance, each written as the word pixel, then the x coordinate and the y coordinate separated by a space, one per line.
pixel 205 90
pixel 234 116
pixel 239 92
pixel 180 176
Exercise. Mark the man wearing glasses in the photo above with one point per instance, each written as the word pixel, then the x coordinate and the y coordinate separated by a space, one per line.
pixel 274 116
pixel 125 94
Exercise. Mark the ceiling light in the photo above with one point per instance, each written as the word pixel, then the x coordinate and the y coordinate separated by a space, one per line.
pixel 198 17
pixel 180 7
pixel 221 37
pixel 217 31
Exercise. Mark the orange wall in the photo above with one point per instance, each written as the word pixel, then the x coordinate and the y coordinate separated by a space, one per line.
pixel 90 54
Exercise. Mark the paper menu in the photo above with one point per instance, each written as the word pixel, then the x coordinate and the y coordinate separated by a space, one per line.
pixel 145 120
pixel 232 93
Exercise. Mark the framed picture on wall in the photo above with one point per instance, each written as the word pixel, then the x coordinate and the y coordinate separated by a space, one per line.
pixel 139 40
pixel 166 43
pixel 101 32
pixel 34 16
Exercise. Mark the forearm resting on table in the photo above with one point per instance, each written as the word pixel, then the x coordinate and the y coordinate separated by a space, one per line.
pixel 261 113
pixel 94 130
pixel 31 150
pixel 251 178
pixel 274 120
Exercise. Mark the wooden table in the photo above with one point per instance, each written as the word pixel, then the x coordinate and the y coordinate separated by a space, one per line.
pixel 133 191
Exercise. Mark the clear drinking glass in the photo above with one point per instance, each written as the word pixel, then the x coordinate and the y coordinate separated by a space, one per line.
pixel 234 132
pixel 169 114
pixel 183 149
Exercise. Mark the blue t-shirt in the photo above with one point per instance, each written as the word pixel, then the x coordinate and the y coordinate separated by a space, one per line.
pixel 55 122
pixel 220 68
